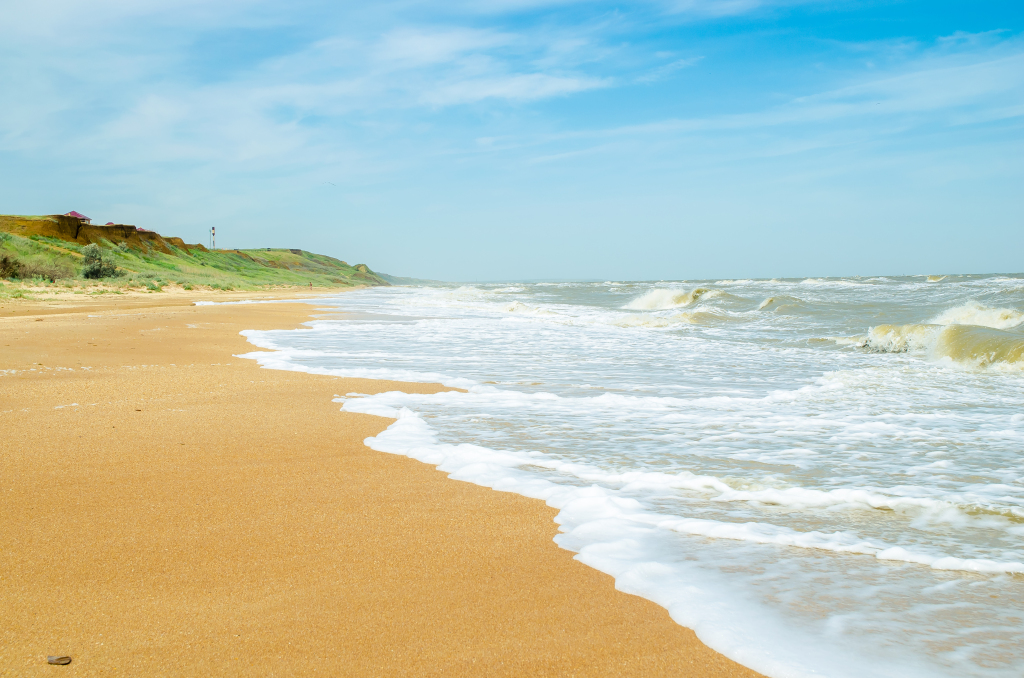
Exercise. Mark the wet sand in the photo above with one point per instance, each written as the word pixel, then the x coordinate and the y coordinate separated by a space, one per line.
pixel 167 509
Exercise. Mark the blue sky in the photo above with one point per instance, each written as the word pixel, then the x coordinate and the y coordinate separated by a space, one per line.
pixel 519 139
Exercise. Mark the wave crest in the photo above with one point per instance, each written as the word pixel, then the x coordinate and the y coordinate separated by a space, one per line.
pixel 659 300
pixel 778 303
pixel 974 313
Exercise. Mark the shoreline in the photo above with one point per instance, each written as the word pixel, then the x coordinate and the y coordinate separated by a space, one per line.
pixel 102 299
pixel 169 509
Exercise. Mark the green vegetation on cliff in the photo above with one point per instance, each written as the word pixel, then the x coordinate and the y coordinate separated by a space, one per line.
pixel 55 248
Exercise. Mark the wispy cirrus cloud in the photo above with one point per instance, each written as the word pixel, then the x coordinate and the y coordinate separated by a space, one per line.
pixel 714 8
pixel 266 109
pixel 516 87
pixel 662 72
pixel 409 47
pixel 937 89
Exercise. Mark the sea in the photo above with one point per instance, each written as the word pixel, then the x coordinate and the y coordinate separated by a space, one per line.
pixel 821 476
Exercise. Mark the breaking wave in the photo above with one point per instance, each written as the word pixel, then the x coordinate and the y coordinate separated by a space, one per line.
pixel 966 344
pixel 901 338
pixel 974 313
pixel 659 300
pixel 970 334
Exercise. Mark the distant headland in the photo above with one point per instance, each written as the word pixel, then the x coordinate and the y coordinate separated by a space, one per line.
pixel 64 247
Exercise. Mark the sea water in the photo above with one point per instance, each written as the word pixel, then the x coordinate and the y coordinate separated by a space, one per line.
pixel 821 477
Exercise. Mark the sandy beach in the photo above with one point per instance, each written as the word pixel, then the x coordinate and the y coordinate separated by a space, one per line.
pixel 167 509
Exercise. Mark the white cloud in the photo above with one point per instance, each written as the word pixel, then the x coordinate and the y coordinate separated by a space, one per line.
pixel 668 69
pixel 726 8
pixel 934 92
pixel 932 86
pixel 713 7
pixel 518 87
pixel 411 47
pixel 420 66
pixel 927 87
pixel 122 98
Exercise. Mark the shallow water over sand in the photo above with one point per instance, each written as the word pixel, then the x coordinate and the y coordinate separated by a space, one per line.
pixel 821 477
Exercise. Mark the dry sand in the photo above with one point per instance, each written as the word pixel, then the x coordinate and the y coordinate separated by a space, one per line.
pixel 167 509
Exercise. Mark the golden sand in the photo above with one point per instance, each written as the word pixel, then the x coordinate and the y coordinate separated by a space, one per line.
pixel 167 509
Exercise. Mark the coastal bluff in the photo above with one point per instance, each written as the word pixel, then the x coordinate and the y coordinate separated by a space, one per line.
pixel 81 231
pixel 51 247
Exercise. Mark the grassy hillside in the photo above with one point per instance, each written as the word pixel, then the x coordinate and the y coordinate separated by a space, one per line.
pixel 53 250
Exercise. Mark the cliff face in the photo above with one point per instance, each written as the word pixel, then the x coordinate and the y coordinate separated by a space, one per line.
pixel 76 230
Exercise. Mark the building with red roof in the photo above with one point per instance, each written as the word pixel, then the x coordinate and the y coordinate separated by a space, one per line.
pixel 78 215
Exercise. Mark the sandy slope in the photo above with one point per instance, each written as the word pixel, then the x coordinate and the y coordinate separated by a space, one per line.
pixel 169 510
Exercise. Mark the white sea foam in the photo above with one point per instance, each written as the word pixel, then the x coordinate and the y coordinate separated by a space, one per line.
pixel 606 530
pixel 290 360
pixel 411 436
pixel 521 308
